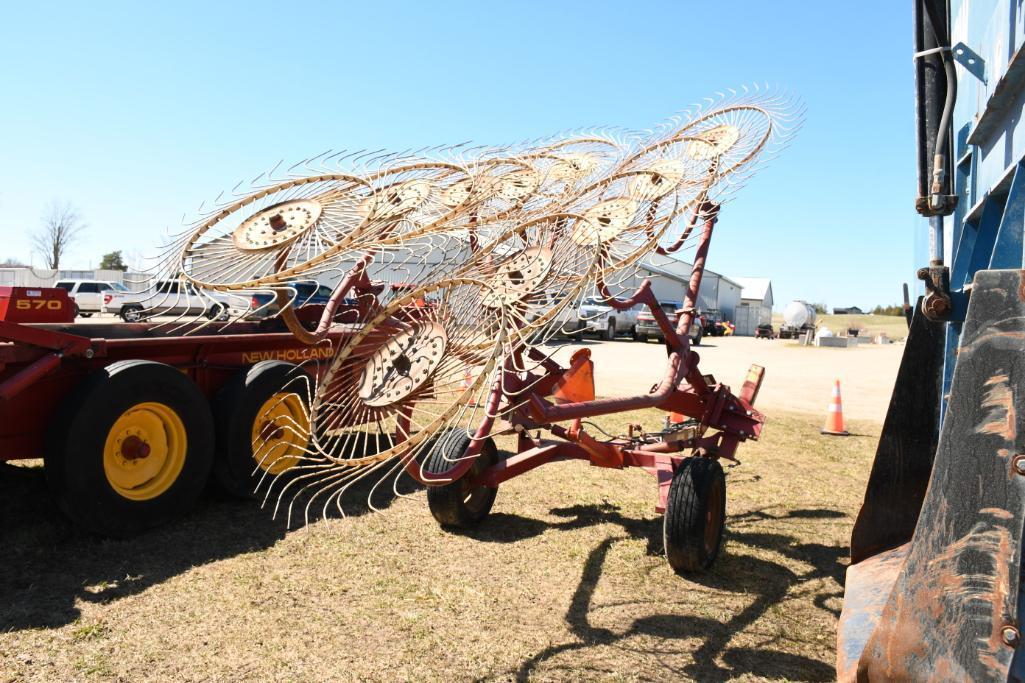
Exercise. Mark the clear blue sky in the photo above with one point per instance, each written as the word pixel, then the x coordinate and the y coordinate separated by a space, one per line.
pixel 137 112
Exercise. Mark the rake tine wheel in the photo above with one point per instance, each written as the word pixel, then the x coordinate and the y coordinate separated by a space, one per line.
pixel 420 367
pixel 279 232
pixel 463 259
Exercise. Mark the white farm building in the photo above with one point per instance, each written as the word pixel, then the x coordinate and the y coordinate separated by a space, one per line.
pixel 669 280
pixel 755 304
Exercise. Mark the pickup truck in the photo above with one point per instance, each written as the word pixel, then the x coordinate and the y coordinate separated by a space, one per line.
pixel 605 322
pixel 169 297
pixel 88 294
pixel 565 321
pixel 647 327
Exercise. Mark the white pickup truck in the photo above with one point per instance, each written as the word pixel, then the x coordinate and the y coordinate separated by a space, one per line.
pixel 596 317
pixel 564 322
pixel 88 294
pixel 167 297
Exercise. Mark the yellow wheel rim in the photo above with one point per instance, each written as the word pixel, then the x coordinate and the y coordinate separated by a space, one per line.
pixel 280 433
pixel 145 451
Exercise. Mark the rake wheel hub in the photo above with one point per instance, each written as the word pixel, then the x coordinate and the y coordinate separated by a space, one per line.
pixel 713 142
pixel 605 221
pixel 457 193
pixel 397 200
pixel 573 166
pixel 518 185
pixel 402 364
pixel 518 277
pixel 658 180
pixel 277 225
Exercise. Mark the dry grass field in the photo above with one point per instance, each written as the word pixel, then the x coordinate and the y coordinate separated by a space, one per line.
pixel 895 326
pixel 565 581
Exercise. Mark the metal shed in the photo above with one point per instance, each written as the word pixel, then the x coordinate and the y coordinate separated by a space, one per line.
pixel 669 278
pixel 755 304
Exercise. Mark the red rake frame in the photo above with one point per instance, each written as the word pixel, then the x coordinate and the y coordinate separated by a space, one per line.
pixel 684 391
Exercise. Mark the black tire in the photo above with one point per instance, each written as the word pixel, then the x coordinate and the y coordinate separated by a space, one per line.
pixel 131 313
pixel 643 338
pixel 85 315
pixel 695 515
pixel 217 312
pixel 237 408
pixel 457 504
pixel 610 331
pixel 633 333
pixel 78 454
pixel 696 341
pixel 77 311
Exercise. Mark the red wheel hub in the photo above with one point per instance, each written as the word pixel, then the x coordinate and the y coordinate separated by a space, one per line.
pixel 134 448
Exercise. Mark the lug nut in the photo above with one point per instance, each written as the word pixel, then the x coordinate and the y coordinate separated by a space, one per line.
pixel 1010 636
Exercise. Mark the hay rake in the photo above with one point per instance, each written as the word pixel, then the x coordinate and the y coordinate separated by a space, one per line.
pixel 461 261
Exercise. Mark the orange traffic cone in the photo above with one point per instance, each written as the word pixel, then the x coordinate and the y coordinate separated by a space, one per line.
pixel 834 418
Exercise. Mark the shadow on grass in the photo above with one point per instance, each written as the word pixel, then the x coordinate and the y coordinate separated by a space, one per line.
pixel 49 564
pixel 769 582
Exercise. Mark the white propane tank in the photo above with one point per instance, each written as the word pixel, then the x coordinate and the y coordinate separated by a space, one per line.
pixel 798 314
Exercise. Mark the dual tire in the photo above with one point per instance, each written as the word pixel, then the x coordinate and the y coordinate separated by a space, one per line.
pixel 133 446
pixel 265 406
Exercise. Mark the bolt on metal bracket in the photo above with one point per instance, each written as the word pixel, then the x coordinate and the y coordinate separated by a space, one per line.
pixel 970 60
pixel 936 305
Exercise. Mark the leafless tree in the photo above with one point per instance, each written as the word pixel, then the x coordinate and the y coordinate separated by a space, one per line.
pixel 61 225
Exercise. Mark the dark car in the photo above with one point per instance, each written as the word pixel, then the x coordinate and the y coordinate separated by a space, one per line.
pixel 765 331
pixel 307 294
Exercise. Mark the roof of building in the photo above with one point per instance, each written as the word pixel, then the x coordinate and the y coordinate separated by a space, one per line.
pixel 663 272
pixel 664 269
pixel 754 287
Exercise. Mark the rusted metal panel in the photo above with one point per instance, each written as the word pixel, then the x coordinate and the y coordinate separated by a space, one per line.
pixel 867 588
pixel 907 445
pixel 952 612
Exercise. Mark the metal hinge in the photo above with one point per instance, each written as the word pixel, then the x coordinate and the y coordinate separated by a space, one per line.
pixel 970 60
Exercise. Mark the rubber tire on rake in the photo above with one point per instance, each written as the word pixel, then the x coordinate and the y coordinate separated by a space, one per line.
pixel 695 515
pixel 455 504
